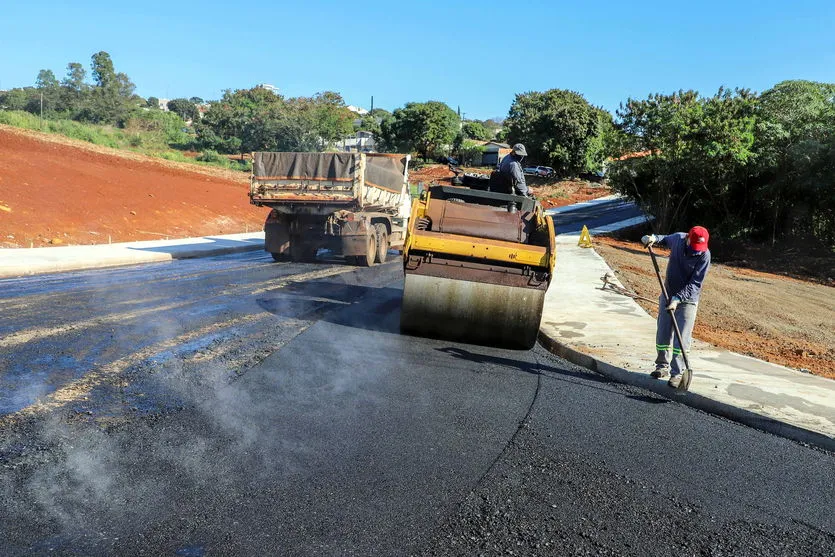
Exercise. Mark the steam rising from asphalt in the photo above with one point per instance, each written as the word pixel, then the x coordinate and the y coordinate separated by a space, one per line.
pixel 188 418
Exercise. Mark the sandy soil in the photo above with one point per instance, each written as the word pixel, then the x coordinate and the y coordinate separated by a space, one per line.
pixel 56 191
pixel 768 316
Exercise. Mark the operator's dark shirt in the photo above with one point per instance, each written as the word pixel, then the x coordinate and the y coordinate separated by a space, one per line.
pixel 686 269
pixel 512 170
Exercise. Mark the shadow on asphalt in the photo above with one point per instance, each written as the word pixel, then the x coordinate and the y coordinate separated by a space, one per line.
pixel 340 303
pixel 534 368
pixel 586 379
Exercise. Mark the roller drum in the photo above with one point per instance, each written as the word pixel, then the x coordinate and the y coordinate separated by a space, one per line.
pixel 471 312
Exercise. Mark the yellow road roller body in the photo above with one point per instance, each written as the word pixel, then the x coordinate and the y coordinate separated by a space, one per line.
pixel 477 267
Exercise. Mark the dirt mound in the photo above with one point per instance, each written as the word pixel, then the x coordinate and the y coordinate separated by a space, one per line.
pixel 55 191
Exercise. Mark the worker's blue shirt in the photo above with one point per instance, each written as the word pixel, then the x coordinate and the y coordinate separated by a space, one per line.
pixel 686 269
pixel 513 169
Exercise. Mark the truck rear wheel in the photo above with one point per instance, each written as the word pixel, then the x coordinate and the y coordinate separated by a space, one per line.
pixel 367 259
pixel 382 238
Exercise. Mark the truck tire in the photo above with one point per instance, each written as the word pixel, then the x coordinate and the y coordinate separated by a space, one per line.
pixel 367 260
pixel 382 238
pixel 278 256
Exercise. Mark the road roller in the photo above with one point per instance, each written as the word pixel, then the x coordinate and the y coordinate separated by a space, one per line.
pixel 477 266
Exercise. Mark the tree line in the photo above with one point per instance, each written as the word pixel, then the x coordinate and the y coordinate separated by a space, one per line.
pixel 745 164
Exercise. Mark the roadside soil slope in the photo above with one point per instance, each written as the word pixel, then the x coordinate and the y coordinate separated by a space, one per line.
pixel 56 191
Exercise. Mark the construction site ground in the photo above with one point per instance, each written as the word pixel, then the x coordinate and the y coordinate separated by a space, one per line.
pixel 56 191
pixel 769 316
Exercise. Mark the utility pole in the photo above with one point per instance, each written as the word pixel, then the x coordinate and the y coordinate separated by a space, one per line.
pixel 372 103
pixel 41 122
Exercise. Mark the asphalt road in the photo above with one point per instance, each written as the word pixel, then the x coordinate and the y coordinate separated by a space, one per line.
pixel 595 215
pixel 234 406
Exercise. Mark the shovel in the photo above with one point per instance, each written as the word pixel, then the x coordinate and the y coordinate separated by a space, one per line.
pixel 687 374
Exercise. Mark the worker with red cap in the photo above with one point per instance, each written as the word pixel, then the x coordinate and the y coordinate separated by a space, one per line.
pixel 686 271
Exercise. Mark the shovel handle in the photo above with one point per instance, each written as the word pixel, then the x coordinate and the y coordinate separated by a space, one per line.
pixel 688 374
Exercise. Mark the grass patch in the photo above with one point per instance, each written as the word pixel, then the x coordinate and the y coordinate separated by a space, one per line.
pixel 138 138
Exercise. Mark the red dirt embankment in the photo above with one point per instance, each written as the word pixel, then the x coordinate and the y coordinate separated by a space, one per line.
pixel 58 191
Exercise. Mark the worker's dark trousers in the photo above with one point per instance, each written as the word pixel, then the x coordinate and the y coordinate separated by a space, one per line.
pixel 669 350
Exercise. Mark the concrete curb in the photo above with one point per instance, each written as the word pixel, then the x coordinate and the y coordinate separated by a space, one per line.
pixel 103 256
pixel 193 254
pixel 644 381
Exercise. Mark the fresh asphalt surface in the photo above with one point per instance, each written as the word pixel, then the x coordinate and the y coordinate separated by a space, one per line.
pixel 595 215
pixel 235 406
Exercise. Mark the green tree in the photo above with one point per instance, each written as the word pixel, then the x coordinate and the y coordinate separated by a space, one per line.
pixel 558 127
pixel 424 127
pixel 152 102
pixel 46 80
pixel 795 137
pixel 111 99
pixel 257 119
pixel 104 73
pixel 17 99
pixel 48 95
pixel 331 119
pixel 475 130
pixel 76 74
pixel 74 89
pixel 372 121
pixel 184 108
pixel 695 160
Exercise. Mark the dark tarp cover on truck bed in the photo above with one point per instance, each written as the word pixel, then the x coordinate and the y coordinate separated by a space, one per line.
pixel 305 166
pixel 382 170
pixel 385 171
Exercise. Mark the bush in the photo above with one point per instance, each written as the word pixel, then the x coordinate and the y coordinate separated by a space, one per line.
pixel 210 155
pixel 165 127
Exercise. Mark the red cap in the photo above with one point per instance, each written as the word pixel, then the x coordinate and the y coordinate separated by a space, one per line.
pixel 698 237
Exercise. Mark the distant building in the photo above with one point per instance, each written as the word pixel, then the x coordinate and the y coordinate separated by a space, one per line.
pixel 359 142
pixel 357 110
pixel 163 104
pixel 494 152
pixel 268 87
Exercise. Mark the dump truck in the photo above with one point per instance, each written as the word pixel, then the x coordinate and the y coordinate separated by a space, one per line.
pixel 477 265
pixel 354 204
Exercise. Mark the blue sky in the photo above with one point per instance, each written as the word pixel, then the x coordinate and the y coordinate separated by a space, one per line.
pixel 476 55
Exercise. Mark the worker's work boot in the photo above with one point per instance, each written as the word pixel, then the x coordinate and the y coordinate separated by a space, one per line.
pixel 675 381
pixel 660 372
